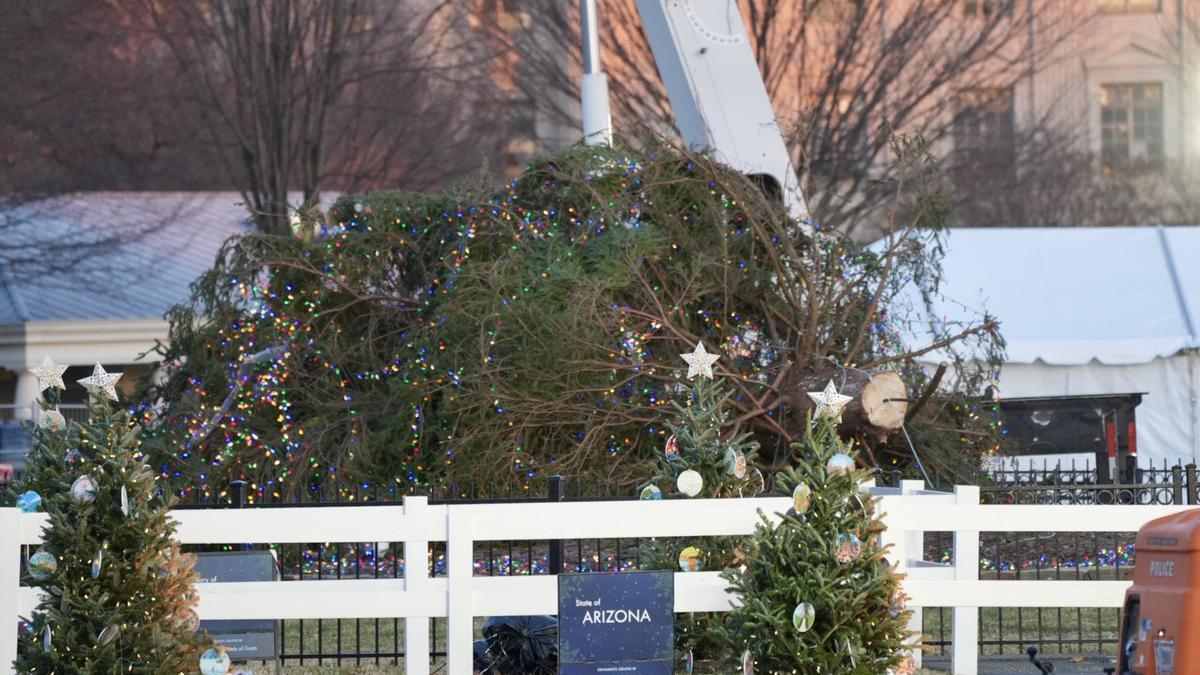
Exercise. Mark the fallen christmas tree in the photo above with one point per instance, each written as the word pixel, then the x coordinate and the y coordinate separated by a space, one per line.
pixel 497 335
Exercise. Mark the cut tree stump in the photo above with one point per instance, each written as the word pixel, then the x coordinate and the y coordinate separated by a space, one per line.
pixel 878 406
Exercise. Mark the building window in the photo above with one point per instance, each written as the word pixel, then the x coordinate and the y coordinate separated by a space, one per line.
pixel 1131 127
pixel 1129 6
pixel 984 131
pixel 987 8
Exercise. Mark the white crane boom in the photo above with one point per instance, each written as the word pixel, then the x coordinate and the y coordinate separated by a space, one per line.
pixel 720 102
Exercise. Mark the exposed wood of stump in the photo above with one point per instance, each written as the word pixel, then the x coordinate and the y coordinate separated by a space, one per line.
pixel 878 406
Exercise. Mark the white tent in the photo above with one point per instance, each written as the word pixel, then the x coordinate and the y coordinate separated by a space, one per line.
pixel 1090 311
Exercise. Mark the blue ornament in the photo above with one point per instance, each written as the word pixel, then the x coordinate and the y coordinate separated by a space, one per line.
pixel 42 565
pixel 214 662
pixel 29 502
pixel 651 493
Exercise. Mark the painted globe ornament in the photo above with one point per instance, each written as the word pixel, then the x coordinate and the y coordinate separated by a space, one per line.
pixel 735 463
pixel 29 502
pixel 97 563
pixel 651 493
pixel 905 667
pixel 848 547
pixel 214 662
pixel 42 565
pixel 83 490
pixel 841 463
pixel 803 617
pixel 51 419
pixel 690 483
pixel 110 633
pixel 690 559
pixel 189 619
pixel 671 449
pixel 801 497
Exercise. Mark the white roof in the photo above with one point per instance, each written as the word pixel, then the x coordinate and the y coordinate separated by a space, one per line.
pixel 1067 296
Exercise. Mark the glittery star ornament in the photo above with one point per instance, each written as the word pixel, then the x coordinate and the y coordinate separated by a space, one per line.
pixel 829 402
pixel 100 383
pixel 700 362
pixel 49 374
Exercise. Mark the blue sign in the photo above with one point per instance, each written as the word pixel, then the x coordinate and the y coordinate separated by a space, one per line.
pixel 616 623
pixel 252 639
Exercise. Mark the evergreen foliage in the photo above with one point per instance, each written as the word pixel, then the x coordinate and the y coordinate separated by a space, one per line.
pixel 858 624
pixel 494 335
pixel 121 598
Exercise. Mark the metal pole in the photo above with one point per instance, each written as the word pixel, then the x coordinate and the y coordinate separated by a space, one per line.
pixel 593 88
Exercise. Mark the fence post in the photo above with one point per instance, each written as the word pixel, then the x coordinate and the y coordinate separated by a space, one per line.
pixel 10 582
pixel 460 623
pixel 237 493
pixel 913 548
pixel 1177 485
pixel 556 545
pixel 416 578
pixel 965 649
pixel 1190 482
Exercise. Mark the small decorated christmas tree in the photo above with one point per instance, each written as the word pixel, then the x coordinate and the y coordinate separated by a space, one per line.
pixel 697 462
pixel 117 592
pixel 817 595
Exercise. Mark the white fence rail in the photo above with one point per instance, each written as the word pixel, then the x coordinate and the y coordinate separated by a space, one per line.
pixel 460 596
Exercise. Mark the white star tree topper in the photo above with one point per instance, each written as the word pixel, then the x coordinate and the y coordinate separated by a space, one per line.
pixel 829 402
pixel 49 374
pixel 100 383
pixel 700 362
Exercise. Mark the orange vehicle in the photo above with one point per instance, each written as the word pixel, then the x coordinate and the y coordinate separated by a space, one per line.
pixel 1162 607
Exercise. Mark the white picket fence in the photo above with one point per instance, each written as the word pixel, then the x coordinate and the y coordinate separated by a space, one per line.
pixel 459 596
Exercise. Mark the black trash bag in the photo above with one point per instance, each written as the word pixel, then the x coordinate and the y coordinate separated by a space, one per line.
pixel 483 660
pixel 522 645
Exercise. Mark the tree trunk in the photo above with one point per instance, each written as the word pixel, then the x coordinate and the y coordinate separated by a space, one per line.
pixel 879 401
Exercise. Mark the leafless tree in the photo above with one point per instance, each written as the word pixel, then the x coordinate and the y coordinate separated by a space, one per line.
pixel 328 94
pixel 843 76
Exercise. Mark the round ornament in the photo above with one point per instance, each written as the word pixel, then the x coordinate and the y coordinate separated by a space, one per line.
pixel 801 497
pixel 803 617
pixel 690 559
pixel 188 620
pixel 24 629
pixel 651 493
pixel 735 463
pixel 83 490
pixel 671 449
pixel 42 565
pixel 214 662
pixel 51 419
pixel 29 502
pixel 756 483
pixel 839 464
pixel 97 563
pixel 690 483
pixel 109 634
pixel 747 663
pixel 905 667
pixel 848 548
pixel 73 458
